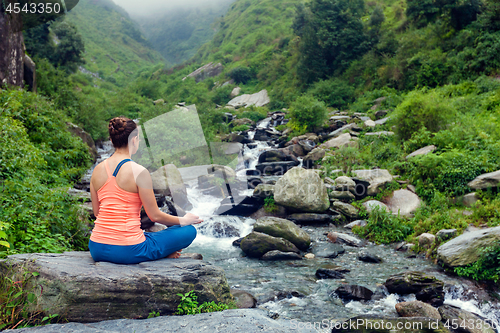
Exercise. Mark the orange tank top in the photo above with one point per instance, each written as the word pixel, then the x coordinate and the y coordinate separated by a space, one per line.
pixel 119 219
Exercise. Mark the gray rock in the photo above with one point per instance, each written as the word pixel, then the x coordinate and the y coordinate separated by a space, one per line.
pixel 235 92
pixel 79 194
pixel 465 249
pixel 329 271
pixel 276 168
pixel 380 114
pixel 359 223
pixel 366 323
pixel 167 181
pixel 337 237
pixel 404 203
pixel 85 291
pixel 243 121
pixel 263 190
pixel 370 205
pixel 311 218
pixel 422 151
pixel 369 123
pixel 12 46
pixel 276 255
pixel 206 71
pixel 470 199
pixel 380 133
pixel 426 240
pixel 327 250
pixel 348 210
pixel 341 195
pixel 234 321
pixel 486 180
pixel 256 244
pixel 353 293
pixel 276 227
pixel 258 99
pixel 445 234
pixel 341 141
pixel 335 118
pixel 459 316
pixel 86 138
pixel 368 257
pixel 243 299
pixel 417 309
pixel 426 288
pixel 339 131
pixel 377 178
pixel 315 155
pixel 302 190
pixel 344 183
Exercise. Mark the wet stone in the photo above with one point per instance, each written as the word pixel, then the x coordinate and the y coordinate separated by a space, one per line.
pixel 368 257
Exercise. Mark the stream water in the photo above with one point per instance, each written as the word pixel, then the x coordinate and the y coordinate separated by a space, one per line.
pixel 290 288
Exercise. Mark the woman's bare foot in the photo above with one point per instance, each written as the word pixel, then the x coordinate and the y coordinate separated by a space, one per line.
pixel 174 255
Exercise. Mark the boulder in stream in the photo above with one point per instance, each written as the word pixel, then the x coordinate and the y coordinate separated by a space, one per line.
pixel 288 230
pixel 465 249
pixel 337 237
pixel 167 181
pixel 311 218
pixel 79 289
pixel 256 244
pixel 243 299
pixel 417 309
pixel 348 210
pixel 463 319
pixel 302 190
pixel 426 288
pixel 276 255
pixel 329 271
pixel 353 293
pixel 327 250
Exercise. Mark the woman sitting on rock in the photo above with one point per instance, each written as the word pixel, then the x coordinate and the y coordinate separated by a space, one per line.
pixel 117 199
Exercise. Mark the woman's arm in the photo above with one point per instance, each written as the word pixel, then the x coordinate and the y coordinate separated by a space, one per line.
pixel 146 193
pixel 94 199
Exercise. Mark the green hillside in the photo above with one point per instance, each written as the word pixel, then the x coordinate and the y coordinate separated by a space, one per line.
pixel 179 33
pixel 114 46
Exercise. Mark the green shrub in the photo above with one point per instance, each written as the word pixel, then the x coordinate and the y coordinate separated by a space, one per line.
pixel 308 111
pixel 422 109
pixel 241 75
pixel 336 93
pixel 270 204
pixel 384 227
pixel 189 305
pixel 486 268
pixel 240 128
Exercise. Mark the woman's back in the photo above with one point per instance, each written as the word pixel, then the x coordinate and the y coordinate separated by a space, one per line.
pixel 118 221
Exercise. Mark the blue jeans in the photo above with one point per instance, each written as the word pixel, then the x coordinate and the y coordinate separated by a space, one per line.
pixel 156 246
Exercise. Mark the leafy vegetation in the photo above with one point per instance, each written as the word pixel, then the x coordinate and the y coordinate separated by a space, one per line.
pixel 384 227
pixel 485 268
pixel 17 294
pixel 39 160
pixel 189 305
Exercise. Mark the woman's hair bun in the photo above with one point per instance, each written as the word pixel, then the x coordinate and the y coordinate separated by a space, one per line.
pixel 119 130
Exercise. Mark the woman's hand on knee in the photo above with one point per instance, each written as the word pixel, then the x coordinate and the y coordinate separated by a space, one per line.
pixel 189 219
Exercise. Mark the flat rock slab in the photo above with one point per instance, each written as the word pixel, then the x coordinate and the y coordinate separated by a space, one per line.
pixel 234 321
pixel 465 249
pixel 80 289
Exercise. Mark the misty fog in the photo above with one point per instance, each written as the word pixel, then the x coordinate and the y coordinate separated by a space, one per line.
pixel 146 8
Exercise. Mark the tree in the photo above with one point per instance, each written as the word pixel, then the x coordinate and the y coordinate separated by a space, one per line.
pixel 332 35
pixel 70 49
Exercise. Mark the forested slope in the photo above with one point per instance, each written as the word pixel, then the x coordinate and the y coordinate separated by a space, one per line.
pixel 114 46
pixel 178 33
